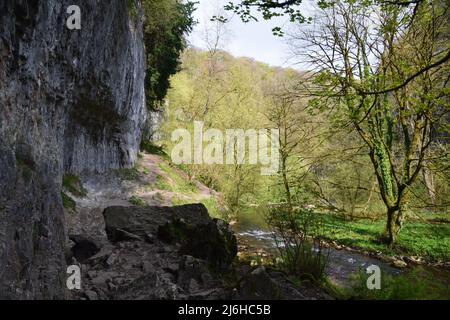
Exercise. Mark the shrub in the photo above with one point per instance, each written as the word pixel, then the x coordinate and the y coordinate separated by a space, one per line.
pixel 297 235
pixel 129 174
pixel 137 201
pixel 73 184
pixel 149 147
pixel 68 202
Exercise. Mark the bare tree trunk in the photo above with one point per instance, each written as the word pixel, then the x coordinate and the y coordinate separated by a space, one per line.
pixel 286 184
pixel 430 185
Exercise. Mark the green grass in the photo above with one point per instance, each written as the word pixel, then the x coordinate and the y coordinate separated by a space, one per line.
pixel 209 203
pixel 130 174
pixel 177 182
pixel 431 241
pixel 135 200
pixel 213 208
pixel 439 217
pixel 72 183
pixel 417 284
pixel 161 183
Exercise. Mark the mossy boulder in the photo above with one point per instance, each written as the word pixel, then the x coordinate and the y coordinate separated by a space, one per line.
pixel 188 226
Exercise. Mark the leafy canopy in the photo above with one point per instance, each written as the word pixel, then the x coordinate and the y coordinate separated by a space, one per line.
pixel 166 22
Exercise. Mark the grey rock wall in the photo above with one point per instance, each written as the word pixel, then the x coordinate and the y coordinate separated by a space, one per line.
pixel 70 101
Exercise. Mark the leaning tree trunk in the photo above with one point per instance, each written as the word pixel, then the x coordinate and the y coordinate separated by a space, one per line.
pixel 402 210
pixel 391 232
pixel 430 185
pixel 286 184
pixel 395 217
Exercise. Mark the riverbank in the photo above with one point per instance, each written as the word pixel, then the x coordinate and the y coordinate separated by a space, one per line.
pixel 403 276
pixel 420 242
pixel 148 251
pixel 154 181
pixel 424 240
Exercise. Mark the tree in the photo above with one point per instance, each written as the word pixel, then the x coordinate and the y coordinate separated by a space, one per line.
pixel 381 66
pixel 235 100
pixel 165 24
pixel 297 139
pixel 292 8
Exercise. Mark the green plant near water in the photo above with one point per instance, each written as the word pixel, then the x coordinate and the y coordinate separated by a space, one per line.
pixel 297 237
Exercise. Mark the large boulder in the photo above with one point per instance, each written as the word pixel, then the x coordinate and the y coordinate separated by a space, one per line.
pixel 188 226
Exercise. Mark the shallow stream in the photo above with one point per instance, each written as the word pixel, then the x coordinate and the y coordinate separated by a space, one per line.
pixel 255 237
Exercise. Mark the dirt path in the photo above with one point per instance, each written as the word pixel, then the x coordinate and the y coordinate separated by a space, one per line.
pixel 117 188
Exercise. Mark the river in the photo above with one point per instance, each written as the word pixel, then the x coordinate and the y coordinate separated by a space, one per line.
pixel 255 237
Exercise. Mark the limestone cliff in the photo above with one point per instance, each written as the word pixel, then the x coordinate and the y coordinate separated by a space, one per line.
pixel 70 101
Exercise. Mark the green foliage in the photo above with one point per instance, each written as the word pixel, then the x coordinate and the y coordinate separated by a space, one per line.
pixel 176 182
pixel 417 284
pixel 145 170
pixel 72 183
pixel 210 204
pixel 166 22
pixel 161 183
pixel 68 202
pixel 353 150
pixel 268 9
pixel 132 9
pixel 130 174
pixel 297 236
pixel 423 239
pixel 231 94
pixel 137 201
pixel 213 208
pixel 149 147
pixel 380 95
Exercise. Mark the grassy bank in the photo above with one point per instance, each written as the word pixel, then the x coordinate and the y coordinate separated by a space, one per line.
pixel 417 238
pixel 418 283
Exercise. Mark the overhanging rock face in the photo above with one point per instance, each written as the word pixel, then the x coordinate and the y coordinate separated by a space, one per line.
pixel 70 101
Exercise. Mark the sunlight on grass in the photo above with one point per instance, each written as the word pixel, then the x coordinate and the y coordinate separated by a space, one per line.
pixel 416 238
pixel 417 284
pixel 176 182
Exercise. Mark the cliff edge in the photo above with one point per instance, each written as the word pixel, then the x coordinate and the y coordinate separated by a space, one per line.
pixel 71 101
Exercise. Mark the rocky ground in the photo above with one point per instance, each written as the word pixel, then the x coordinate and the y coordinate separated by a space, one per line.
pixel 159 251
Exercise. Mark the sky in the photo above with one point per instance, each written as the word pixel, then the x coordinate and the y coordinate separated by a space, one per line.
pixel 253 39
